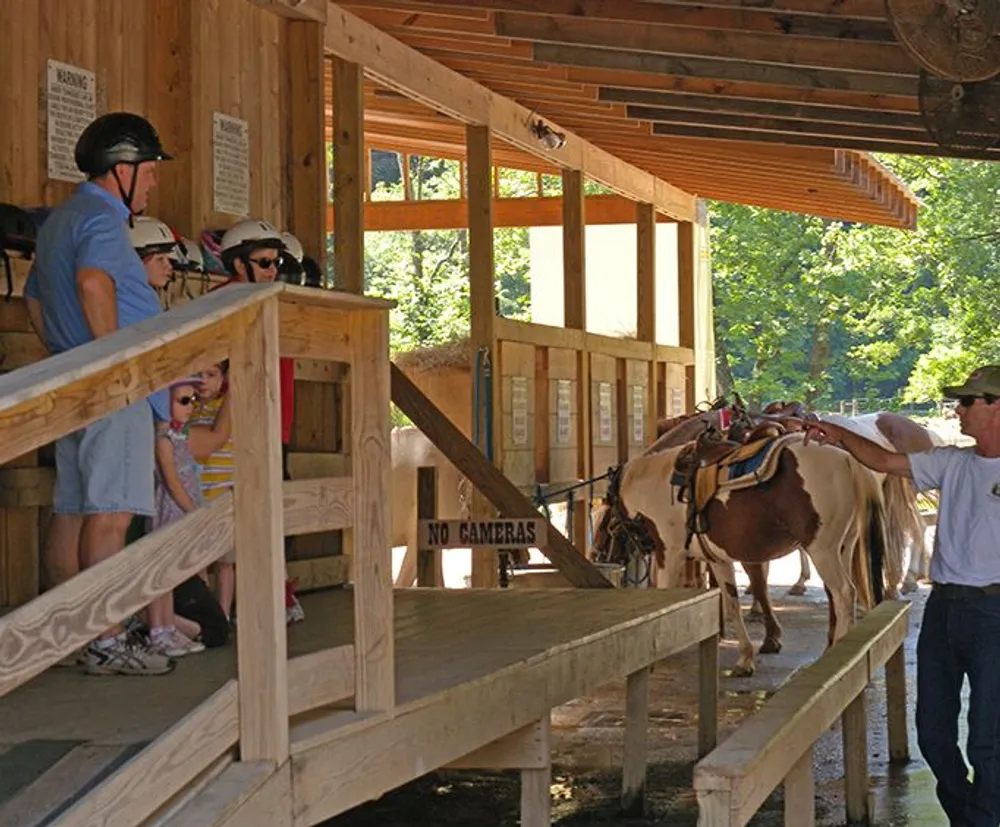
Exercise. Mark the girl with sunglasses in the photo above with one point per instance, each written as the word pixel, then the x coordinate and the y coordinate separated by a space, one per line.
pixel 177 492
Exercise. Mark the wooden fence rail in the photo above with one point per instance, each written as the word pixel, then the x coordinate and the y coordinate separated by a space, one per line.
pixel 775 746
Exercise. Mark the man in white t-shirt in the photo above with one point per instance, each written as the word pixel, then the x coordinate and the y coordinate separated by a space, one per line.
pixel 960 635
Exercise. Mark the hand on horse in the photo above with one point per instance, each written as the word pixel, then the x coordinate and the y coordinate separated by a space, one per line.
pixel 825 433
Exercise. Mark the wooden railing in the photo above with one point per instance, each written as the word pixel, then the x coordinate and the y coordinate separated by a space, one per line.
pixel 249 325
pixel 775 745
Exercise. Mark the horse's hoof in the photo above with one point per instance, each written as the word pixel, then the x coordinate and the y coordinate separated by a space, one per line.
pixel 748 590
pixel 755 616
pixel 770 646
pixel 742 671
pixel 797 590
pixel 909 585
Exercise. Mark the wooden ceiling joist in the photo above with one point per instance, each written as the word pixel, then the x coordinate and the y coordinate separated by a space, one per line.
pixel 401 67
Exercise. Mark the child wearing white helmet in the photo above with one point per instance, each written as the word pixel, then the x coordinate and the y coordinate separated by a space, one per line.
pixel 154 243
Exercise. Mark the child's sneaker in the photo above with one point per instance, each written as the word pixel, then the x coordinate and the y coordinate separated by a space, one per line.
pixel 174 644
pixel 294 613
pixel 125 658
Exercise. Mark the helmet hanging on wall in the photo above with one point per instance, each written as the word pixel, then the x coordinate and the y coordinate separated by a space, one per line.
pixel 242 239
pixel 118 138
pixel 187 256
pixel 290 269
pixel 17 235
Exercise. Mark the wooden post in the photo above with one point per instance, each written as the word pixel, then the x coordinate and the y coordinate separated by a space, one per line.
pixel 482 336
pixel 373 629
pixel 575 305
pixel 855 732
pixel 800 793
pixel 407 182
pixel 258 532
pixel 430 571
pixel 636 724
pixel 645 311
pixel 348 175
pixel 687 257
pixel 309 177
pixel 715 808
pixel 536 786
pixel 895 704
pixel 708 695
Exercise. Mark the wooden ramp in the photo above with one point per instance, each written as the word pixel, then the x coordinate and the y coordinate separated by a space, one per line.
pixel 471 668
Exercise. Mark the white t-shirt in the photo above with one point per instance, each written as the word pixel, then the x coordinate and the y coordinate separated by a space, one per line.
pixel 967 540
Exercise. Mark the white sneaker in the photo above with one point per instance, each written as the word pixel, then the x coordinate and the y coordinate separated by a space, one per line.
pixel 174 644
pixel 125 658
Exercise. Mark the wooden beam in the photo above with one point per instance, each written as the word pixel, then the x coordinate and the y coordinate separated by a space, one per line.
pixel 348 176
pixel 314 505
pixel 26 487
pixel 812 52
pixel 262 648
pixel 524 749
pixel 494 485
pixel 429 563
pixel 370 454
pixel 648 104
pixel 314 333
pixel 633 797
pixel 296 10
pixel 453 214
pixel 403 68
pixel 645 310
pixel 704 16
pixel 720 69
pixel 687 266
pixel 244 794
pixel 53 397
pixel 574 251
pixel 309 177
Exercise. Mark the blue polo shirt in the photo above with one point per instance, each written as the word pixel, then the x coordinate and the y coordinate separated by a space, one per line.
pixel 88 230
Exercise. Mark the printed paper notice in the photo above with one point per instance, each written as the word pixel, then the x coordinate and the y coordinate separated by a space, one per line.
pixel 519 410
pixel 564 410
pixel 604 411
pixel 638 413
pixel 230 165
pixel 677 401
pixel 71 104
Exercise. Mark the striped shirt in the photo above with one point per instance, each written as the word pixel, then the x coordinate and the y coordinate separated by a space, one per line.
pixel 216 473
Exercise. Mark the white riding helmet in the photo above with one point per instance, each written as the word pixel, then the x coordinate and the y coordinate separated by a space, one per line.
pixel 293 246
pixel 240 240
pixel 187 256
pixel 150 236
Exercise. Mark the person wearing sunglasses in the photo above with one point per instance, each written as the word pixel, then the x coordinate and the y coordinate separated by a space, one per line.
pixel 960 633
pixel 251 251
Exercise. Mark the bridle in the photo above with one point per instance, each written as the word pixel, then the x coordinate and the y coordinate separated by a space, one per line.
pixel 624 532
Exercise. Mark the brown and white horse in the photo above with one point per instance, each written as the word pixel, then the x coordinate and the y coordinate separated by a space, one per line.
pixel 820 499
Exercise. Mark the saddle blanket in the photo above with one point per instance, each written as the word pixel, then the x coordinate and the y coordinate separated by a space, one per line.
pixel 746 466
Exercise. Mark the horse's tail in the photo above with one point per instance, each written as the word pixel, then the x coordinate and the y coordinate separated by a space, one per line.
pixel 869 558
pixel 904 526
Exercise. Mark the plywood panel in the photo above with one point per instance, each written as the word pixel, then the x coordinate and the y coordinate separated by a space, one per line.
pixel 674 385
pixel 564 415
pixel 517 408
pixel 636 407
pixel 603 411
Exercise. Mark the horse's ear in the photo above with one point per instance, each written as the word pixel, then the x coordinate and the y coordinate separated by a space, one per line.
pixel 738 401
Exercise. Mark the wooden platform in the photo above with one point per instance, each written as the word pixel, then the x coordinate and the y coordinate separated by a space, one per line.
pixel 471 667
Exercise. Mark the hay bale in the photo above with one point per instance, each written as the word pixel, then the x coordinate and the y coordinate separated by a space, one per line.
pixel 453 354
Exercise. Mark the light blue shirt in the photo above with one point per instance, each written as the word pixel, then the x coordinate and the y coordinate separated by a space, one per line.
pixel 967 540
pixel 88 231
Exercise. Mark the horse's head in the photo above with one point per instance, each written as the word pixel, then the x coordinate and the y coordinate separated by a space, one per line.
pixel 617 535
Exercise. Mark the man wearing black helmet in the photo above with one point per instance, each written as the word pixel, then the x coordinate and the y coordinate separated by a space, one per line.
pixel 89 282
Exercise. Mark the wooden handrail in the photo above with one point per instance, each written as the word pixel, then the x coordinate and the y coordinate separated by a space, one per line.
pixel 737 777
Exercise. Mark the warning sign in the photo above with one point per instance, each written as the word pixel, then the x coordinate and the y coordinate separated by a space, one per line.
pixel 604 411
pixel 230 165
pixel 71 104
pixel 676 402
pixel 519 410
pixel 638 413
pixel 564 409
pixel 497 533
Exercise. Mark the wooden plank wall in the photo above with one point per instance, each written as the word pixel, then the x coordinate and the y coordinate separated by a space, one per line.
pixel 517 411
pixel 175 62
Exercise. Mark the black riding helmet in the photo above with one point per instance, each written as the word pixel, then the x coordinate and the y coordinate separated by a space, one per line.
pixel 17 235
pixel 118 138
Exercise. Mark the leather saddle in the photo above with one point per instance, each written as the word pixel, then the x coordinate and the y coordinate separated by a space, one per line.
pixel 713 464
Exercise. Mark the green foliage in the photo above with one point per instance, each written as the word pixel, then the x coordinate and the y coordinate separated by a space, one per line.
pixel 826 310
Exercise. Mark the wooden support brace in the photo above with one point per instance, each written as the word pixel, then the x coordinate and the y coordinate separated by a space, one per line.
pixel 348 175
pixel 636 724
pixel 708 695
pixel 800 793
pixel 430 570
pixel 855 732
pixel 895 704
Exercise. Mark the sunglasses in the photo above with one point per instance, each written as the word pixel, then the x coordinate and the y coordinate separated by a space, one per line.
pixel 968 400
pixel 265 263
pixel 186 400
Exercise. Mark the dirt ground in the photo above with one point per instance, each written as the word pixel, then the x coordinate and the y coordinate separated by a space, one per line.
pixel 588 735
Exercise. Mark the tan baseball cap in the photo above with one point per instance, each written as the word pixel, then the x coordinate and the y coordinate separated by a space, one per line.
pixel 981 381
